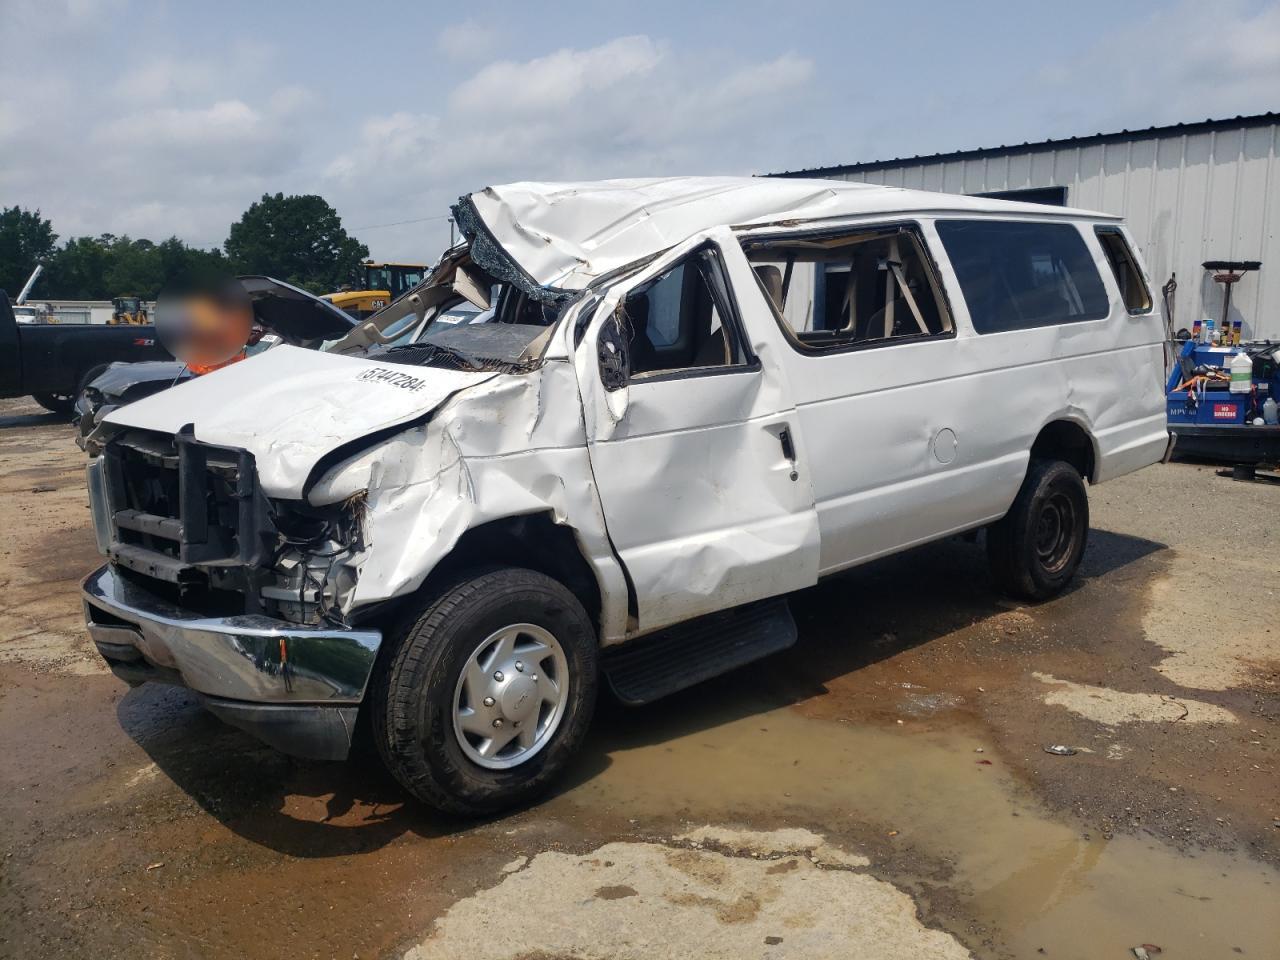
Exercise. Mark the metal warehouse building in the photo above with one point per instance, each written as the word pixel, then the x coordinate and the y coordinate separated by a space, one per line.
pixel 1190 193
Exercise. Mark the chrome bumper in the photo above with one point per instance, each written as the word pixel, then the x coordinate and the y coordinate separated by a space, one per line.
pixel 295 686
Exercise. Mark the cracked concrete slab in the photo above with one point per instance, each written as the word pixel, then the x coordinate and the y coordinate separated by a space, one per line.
pixel 1111 707
pixel 653 900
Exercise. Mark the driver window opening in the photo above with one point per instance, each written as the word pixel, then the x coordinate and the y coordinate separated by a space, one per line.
pixel 675 321
pixel 860 289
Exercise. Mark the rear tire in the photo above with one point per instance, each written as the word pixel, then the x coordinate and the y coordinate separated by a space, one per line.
pixel 1035 549
pixel 55 402
pixel 435 702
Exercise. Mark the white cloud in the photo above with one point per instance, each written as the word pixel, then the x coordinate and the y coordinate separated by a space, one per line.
pixel 35 17
pixel 160 78
pixel 290 100
pixel 468 41
pixel 155 120
pixel 556 80
pixel 627 107
pixel 10 121
pixel 232 121
pixel 125 131
pixel 1184 63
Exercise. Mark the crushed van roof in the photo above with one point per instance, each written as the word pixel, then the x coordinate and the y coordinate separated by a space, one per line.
pixel 566 235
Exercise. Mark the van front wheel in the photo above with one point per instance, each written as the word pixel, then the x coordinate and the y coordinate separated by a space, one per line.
pixel 489 691
pixel 1035 549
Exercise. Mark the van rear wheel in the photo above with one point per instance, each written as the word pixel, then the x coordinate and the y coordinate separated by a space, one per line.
pixel 488 693
pixel 1035 549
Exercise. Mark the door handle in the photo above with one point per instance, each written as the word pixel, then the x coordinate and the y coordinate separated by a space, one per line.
pixel 788 446
pixel 788 449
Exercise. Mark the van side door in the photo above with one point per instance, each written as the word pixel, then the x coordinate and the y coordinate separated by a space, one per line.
pixel 697 455
pixel 870 346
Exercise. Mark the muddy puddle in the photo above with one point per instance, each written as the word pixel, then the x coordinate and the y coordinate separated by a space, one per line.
pixel 935 819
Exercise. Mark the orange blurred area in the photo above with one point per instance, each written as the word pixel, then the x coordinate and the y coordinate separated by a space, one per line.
pixel 200 369
pixel 206 329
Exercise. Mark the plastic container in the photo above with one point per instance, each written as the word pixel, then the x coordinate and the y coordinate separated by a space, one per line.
pixel 1241 367
pixel 1210 332
pixel 1270 412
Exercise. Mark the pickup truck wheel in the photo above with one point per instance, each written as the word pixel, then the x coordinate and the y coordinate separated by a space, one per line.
pixel 1035 549
pixel 488 692
pixel 55 402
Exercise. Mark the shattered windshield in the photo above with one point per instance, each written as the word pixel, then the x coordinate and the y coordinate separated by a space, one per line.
pixel 462 315
pixel 484 324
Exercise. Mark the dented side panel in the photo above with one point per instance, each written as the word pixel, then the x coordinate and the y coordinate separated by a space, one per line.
pixel 703 504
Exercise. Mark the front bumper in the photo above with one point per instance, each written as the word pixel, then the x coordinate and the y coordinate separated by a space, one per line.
pixel 294 686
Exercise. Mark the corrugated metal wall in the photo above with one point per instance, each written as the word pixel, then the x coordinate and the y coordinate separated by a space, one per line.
pixel 1187 199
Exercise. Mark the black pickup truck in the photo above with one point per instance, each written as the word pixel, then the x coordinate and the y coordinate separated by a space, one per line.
pixel 52 362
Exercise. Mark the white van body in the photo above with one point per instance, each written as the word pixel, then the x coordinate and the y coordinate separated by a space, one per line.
pixel 685 491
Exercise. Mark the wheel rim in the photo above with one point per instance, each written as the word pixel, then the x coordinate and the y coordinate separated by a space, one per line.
pixel 1055 532
pixel 510 696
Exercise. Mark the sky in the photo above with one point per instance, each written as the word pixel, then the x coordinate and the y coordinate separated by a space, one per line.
pixel 157 119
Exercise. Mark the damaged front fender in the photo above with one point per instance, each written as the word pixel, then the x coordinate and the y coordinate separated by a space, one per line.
pixel 512 446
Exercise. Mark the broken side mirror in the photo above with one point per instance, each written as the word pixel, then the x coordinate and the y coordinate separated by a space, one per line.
pixel 612 351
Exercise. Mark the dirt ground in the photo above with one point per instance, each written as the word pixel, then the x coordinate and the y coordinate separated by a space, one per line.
pixel 880 790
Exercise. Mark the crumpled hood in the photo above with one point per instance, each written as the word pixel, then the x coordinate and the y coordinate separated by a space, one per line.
pixel 292 407
pixel 117 380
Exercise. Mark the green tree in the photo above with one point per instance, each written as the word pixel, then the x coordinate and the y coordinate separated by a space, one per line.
pixel 104 267
pixel 178 261
pixel 298 239
pixel 78 271
pixel 135 269
pixel 26 238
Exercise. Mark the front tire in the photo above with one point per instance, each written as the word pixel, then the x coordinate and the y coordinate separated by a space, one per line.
pixel 1035 549
pixel 488 692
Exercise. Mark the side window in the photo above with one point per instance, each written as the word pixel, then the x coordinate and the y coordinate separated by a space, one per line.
pixel 676 320
pixel 1133 288
pixel 870 287
pixel 1016 275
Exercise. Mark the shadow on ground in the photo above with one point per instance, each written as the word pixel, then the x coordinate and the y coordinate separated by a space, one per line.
pixel 846 623
pixel 851 621
pixel 16 420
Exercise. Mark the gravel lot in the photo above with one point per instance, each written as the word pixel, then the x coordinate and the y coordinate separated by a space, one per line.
pixel 880 790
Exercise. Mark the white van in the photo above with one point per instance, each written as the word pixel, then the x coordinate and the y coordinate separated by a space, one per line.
pixel 634 416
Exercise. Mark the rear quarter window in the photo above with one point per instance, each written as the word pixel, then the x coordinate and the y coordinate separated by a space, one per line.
pixel 1133 288
pixel 1018 275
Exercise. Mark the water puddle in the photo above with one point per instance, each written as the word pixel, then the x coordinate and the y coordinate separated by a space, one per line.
pixel 1032 881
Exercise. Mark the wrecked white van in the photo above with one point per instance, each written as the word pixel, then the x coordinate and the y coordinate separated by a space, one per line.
pixel 634 416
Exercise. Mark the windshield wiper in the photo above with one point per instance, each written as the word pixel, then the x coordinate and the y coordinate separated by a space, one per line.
pixel 427 352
